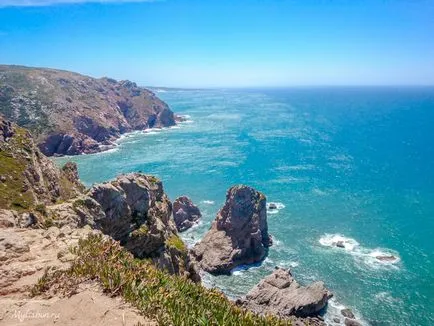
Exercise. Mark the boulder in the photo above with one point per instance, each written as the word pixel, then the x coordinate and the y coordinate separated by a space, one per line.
pixel 272 206
pixel 347 313
pixel 239 234
pixel 185 213
pixel 279 294
pixel 351 322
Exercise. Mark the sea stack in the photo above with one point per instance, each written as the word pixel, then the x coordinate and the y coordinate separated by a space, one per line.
pixel 185 213
pixel 238 235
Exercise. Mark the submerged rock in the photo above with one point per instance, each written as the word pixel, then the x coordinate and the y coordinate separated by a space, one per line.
pixel 279 294
pixel 387 258
pixel 351 322
pixel 347 313
pixel 239 234
pixel 272 206
pixel 185 213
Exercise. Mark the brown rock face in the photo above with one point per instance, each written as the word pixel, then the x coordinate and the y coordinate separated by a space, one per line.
pixel 239 234
pixel 281 295
pixel 185 213
pixel 27 177
pixel 70 114
pixel 137 212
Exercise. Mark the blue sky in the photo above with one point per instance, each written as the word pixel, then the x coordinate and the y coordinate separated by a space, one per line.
pixel 198 43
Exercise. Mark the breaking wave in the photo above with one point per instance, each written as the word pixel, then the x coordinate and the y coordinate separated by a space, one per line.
pixel 372 257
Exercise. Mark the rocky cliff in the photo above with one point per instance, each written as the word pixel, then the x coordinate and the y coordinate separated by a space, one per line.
pixel 239 234
pixel 134 210
pixel 70 114
pixel 29 180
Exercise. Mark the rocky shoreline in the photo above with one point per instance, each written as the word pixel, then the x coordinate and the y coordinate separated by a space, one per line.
pixel 72 114
pixel 134 211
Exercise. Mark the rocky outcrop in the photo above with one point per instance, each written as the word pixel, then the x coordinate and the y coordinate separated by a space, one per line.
pixel 134 210
pixel 185 213
pixel 28 179
pixel 137 212
pixel 279 294
pixel 239 234
pixel 71 114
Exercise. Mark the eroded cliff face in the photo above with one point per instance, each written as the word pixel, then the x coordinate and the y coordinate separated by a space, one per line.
pixel 134 210
pixel 238 235
pixel 70 114
pixel 28 179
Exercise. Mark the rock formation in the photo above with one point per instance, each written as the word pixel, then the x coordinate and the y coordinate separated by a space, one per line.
pixel 281 295
pixel 27 178
pixel 185 213
pixel 239 234
pixel 134 210
pixel 70 114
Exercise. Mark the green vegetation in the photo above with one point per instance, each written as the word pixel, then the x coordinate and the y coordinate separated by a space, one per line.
pixel 13 192
pixel 153 179
pixel 168 299
pixel 41 208
pixel 141 231
pixel 175 242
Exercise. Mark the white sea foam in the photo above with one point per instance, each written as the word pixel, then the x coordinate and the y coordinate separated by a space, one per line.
pixel 334 311
pixel 276 210
pixel 374 258
pixel 186 121
pixel 319 192
pixel 208 202
pixel 386 297
pixel 331 240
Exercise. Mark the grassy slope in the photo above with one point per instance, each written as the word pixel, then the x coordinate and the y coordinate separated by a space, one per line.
pixel 168 299
pixel 12 167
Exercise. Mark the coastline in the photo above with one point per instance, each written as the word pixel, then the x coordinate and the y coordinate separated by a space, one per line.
pixel 117 140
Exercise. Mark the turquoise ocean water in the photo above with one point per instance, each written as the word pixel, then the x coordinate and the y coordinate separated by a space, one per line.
pixel 350 164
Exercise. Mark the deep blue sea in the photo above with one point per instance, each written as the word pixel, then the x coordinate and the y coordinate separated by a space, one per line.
pixel 349 164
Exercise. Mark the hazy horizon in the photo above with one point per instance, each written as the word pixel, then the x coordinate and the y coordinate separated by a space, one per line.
pixel 219 44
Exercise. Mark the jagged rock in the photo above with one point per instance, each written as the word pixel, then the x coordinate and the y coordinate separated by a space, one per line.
pixel 70 171
pixel 75 114
pixel 239 234
pixel 137 212
pixel 281 295
pixel 347 313
pixel 6 130
pixel 185 213
pixel 32 179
